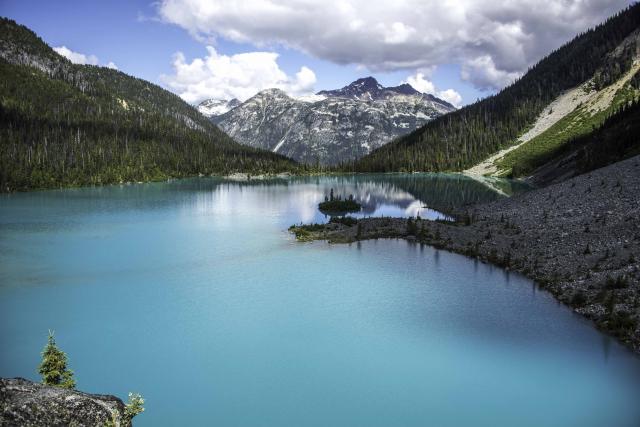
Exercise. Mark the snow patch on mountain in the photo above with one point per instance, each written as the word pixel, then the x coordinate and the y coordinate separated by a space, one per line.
pixel 216 107
pixel 331 126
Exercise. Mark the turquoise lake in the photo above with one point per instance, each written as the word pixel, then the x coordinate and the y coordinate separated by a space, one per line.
pixel 193 293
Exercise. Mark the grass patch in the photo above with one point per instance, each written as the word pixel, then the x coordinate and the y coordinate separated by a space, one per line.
pixel 305 232
pixel 544 147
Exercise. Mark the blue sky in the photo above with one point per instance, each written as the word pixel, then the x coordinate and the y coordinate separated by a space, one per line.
pixel 458 46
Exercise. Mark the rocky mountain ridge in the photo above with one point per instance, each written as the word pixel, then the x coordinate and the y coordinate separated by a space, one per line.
pixel 332 127
pixel 217 107
pixel 368 89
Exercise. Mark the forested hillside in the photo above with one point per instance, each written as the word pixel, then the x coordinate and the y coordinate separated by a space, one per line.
pixel 618 138
pixel 462 138
pixel 588 116
pixel 64 124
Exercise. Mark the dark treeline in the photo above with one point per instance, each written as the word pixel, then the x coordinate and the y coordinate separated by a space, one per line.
pixel 460 139
pixel 63 124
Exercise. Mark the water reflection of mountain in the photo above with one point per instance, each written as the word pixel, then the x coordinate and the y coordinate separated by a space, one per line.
pixel 379 194
pixel 445 192
pixel 409 192
pixel 442 192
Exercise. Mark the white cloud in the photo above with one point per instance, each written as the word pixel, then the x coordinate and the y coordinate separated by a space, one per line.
pixel 494 41
pixel 424 85
pixel 451 96
pixel 397 33
pixel 75 57
pixel 303 83
pixel 484 74
pixel 421 84
pixel 233 76
pixel 81 58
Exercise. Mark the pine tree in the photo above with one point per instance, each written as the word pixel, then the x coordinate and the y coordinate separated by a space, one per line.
pixel 53 368
pixel 412 227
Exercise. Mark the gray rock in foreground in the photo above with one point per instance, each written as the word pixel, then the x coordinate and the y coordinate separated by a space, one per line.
pixel 23 402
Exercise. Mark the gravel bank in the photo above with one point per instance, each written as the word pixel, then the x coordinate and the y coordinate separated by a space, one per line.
pixel 579 239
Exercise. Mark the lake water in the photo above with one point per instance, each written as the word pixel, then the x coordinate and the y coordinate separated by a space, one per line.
pixel 193 293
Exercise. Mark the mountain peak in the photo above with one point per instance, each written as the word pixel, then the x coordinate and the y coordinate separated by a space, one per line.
pixel 364 89
pixel 404 89
pixel 272 92
pixel 333 126
pixel 368 89
pixel 366 82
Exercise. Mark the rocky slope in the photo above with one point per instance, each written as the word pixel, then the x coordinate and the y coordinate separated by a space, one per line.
pixel 575 113
pixel 579 239
pixel 332 127
pixel 23 402
pixel 217 107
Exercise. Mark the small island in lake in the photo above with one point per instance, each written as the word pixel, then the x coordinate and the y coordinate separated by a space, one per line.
pixel 338 205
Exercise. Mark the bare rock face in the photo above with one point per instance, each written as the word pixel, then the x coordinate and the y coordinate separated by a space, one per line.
pixel 217 107
pixel 330 127
pixel 24 402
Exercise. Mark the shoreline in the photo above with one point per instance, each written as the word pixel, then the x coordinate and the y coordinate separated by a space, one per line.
pixel 579 240
pixel 235 176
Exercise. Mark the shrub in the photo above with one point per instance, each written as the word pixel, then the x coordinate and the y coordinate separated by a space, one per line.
pixel 134 406
pixel 610 303
pixel 346 220
pixel 579 299
pixel 621 322
pixel 304 232
pixel 412 227
pixel 619 282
